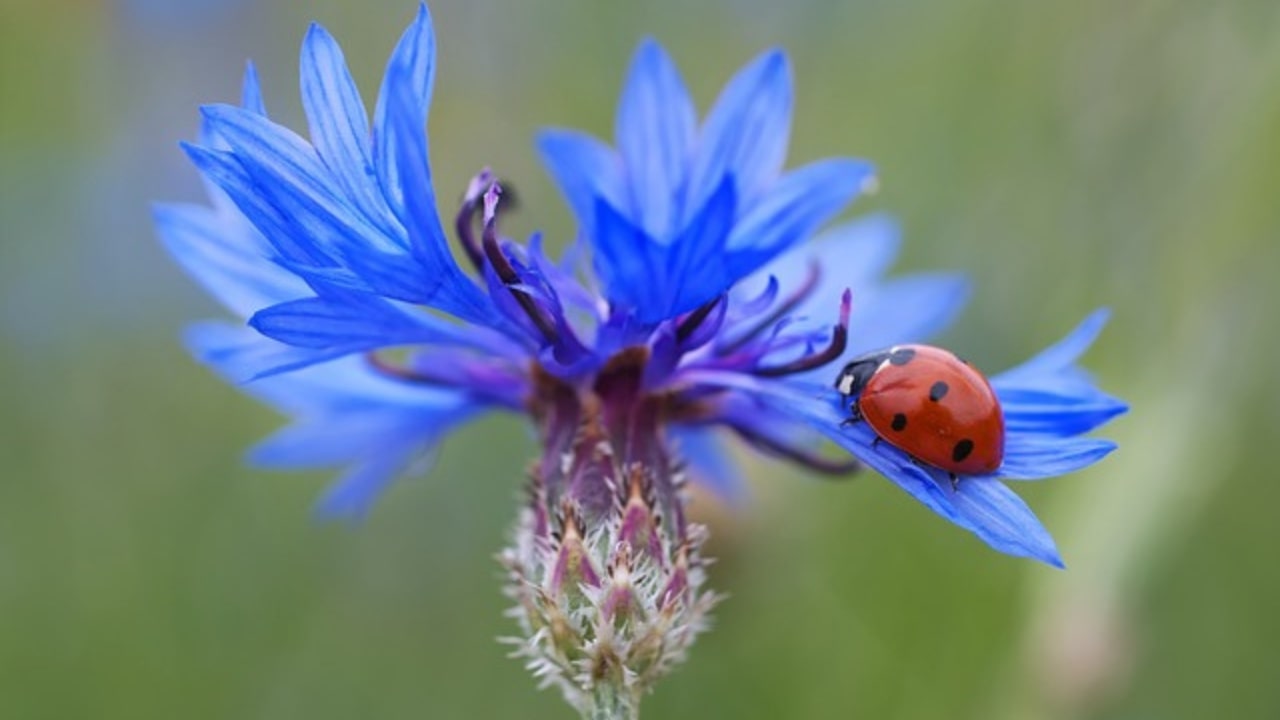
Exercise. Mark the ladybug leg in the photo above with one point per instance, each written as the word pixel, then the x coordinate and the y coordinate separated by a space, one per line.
pixel 855 415
pixel 955 479
pixel 875 442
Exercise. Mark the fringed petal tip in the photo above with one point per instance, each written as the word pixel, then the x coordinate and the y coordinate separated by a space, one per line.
pixel 351 497
pixel 1050 395
pixel 1058 359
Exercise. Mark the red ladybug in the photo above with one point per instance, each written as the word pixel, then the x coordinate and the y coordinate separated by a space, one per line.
pixel 929 404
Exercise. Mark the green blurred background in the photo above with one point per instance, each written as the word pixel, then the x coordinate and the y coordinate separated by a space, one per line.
pixel 1066 156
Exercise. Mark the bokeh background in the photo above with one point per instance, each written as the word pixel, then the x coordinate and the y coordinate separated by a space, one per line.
pixel 1066 156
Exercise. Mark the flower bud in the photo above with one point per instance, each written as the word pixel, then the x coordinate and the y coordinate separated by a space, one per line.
pixel 605 569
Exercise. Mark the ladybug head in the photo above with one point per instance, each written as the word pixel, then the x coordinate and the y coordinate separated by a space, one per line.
pixel 854 377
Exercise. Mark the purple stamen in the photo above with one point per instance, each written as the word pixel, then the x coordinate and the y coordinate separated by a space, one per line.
pixel 503 268
pixel 789 304
pixel 834 349
pixel 810 460
pixel 462 223
pixel 693 320
pixel 498 382
pixel 399 372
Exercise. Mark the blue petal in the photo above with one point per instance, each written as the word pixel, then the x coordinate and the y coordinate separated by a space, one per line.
pixel 229 261
pixel 443 285
pixel 1028 457
pixel 226 172
pixel 376 438
pixel 250 99
pixel 508 305
pixel 354 322
pixel 905 309
pixel 412 65
pixel 287 170
pixel 1050 413
pixel 381 458
pixel 1050 396
pixel 347 414
pixel 344 385
pixel 664 353
pixel 655 132
pixel 710 462
pixel 695 261
pixel 354 434
pixel 623 255
pixel 792 209
pixel 824 411
pixel 393 275
pixel 251 91
pixel 660 281
pixel 745 135
pixel 240 354
pixel 1057 358
pixel 353 495
pixel 853 255
pixel 998 516
pixel 587 172
pixel 708 331
pixel 799 203
pixel 333 439
pixel 319 247
pixel 857 252
pixel 339 126
pixel 562 278
pixel 981 505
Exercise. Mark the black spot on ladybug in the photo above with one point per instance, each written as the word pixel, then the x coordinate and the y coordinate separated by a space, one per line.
pixel 962 450
pixel 899 422
pixel 901 356
pixel 938 391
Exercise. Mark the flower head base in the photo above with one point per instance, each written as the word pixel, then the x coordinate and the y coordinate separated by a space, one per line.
pixel 705 312
pixel 605 569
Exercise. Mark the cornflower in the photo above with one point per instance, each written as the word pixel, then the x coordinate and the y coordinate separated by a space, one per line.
pixel 694 305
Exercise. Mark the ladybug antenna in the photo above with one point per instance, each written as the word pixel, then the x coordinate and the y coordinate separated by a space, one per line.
pixel 833 351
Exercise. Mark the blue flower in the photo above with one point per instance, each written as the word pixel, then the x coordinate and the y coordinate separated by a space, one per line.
pixel 679 213
pixel 696 289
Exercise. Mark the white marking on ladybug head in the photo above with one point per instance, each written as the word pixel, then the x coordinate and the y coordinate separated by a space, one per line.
pixel 845 383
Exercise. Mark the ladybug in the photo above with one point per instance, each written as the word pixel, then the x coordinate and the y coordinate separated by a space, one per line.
pixel 930 404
